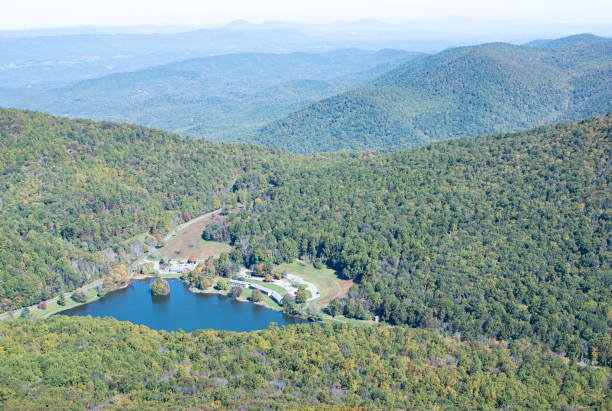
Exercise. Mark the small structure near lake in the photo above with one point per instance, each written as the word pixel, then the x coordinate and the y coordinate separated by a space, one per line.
pixel 243 284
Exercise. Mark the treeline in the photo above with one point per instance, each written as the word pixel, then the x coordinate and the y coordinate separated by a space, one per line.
pixel 75 193
pixel 504 236
pixel 85 363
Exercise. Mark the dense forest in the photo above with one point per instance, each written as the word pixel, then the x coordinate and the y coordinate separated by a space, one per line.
pixel 84 363
pixel 498 246
pixel 460 92
pixel 75 193
pixel 504 236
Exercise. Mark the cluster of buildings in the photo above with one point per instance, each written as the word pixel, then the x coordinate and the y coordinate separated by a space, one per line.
pixel 178 268
pixel 270 293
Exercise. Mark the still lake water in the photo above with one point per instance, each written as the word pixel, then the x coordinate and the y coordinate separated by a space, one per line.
pixel 182 309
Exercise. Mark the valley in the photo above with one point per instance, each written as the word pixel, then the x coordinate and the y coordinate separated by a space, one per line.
pixel 332 227
pixel 188 236
pixel 399 233
pixel 185 241
pixel 220 98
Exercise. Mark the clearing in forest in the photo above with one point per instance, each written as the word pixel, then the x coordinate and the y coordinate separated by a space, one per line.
pixel 188 241
pixel 326 280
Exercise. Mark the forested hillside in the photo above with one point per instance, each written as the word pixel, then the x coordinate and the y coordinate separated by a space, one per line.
pixel 84 363
pixel 73 192
pixel 504 236
pixel 460 92
pixel 221 98
pixel 499 245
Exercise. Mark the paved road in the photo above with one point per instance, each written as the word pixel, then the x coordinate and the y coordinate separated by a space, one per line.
pixel 286 283
pixel 188 223
pixel 314 291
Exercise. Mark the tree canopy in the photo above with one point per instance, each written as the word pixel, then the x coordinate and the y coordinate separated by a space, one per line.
pixel 78 362
pixel 504 236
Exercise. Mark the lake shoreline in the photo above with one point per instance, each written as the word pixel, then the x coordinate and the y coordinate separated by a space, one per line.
pixel 182 309
pixel 43 313
pixel 210 290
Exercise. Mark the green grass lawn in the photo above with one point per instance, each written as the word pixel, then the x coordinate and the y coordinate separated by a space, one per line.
pixel 54 307
pixel 247 292
pixel 343 320
pixel 171 275
pixel 216 246
pixel 323 279
pixel 269 302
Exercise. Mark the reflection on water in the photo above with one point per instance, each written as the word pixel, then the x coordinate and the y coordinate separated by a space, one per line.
pixel 181 309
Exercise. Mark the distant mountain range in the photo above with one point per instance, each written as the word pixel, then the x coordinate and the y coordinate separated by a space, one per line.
pixel 222 97
pixel 43 59
pixel 584 38
pixel 456 93
pixel 47 58
pixel 348 99
pixel 53 61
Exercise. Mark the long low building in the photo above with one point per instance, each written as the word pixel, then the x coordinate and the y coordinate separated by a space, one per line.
pixel 237 283
pixel 270 293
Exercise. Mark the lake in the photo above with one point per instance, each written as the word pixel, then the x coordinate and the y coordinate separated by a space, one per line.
pixel 182 309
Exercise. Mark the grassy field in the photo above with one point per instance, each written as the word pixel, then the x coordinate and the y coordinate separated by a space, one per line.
pixel 171 275
pixel 329 285
pixel 53 307
pixel 344 320
pixel 247 292
pixel 187 241
pixel 184 245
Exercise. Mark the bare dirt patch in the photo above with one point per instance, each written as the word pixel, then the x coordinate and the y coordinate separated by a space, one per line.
pixel 188 241
pixel 339 288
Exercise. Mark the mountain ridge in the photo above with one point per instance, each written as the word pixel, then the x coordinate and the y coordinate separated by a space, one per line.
pixel 459 92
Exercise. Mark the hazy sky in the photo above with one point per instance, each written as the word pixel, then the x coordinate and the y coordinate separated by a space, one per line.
pixel 22 14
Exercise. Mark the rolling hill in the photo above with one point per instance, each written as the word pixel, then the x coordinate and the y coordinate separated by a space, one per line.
pixel 459 92
pixel 220 98
pixel 76 193
pixel 497 246
pixel 503 236
pixel 85 363
pixel 515 219
pixel 583 38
